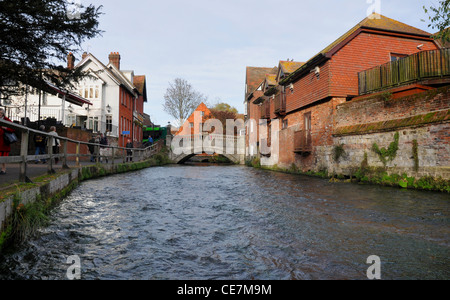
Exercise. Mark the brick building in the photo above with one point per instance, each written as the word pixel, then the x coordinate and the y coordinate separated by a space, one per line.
pixel 189 127
pixel 303 102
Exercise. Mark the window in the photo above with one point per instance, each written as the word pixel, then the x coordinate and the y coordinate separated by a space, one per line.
pixel 307 118
pixel 109 123
pixel 93 124
pixel 396 56
pixel 71 120
pixel 285 124
pixel 191 125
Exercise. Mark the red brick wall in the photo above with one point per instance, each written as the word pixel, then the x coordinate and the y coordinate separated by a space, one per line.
pixel 309 89
pixel 253 113
pixel 126 114
pixel 372 109
pixel 322 120
pixel 364 52
pixel 339 75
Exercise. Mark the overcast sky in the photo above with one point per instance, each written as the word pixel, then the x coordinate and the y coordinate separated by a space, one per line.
pixel 211 42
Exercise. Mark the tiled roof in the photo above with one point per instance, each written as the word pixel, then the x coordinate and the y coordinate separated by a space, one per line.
pixel 373 22
pixel 379 22
pixel 140 84
pixel 271 79
pixel 290 66
pixel 255 76
pixel 444 44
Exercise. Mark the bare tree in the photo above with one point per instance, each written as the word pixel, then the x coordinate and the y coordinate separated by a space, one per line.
pixel 181 100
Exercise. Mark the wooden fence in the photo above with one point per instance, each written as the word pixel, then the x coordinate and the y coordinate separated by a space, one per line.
pixel 138 154
pixel 417 67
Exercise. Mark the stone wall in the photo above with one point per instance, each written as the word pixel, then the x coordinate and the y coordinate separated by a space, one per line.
pixel 422 120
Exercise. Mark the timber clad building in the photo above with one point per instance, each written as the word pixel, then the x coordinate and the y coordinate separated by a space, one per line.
pixel 309 102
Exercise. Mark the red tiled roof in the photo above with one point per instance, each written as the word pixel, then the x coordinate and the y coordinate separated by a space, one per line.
pixel 376 22
pixel 255 76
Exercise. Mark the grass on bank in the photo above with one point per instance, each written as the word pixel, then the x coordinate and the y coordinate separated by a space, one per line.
pixel 367 175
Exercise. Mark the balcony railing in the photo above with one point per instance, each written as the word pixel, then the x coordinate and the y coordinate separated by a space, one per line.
pixel 265 110
pixel 280 104
pixel 414 68
pixel 302 141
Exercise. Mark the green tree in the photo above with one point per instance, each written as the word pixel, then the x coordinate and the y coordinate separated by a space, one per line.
pixel 439 18
pixel 37 35
pixel 225 107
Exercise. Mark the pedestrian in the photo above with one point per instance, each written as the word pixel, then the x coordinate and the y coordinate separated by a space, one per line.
pixel 93 140
pixel 150 140
pixel 40 142
pixel 129 147
pixel 56 144
pixel 103 149
pixel 5 149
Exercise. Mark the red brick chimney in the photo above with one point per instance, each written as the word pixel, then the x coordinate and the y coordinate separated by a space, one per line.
pixel 70 61
pixel 114 58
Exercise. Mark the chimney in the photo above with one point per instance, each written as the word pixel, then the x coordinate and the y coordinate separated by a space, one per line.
pixel 114 58
pixel 84 55
pixel 70 61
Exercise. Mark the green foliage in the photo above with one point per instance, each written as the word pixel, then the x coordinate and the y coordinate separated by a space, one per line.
pixel 338 152
pixel 254 162
pixel 225 107
pixel 439 18
pixel 37 35
pixel 415 150
pixel 388 154
pixel 386 96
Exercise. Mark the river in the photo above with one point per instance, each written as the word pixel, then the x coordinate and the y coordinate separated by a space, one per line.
pixel 234 222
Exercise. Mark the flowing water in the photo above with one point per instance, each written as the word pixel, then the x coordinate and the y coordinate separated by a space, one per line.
pixel 233 222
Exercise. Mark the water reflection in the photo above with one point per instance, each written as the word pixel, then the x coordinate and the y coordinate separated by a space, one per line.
pixel 232 222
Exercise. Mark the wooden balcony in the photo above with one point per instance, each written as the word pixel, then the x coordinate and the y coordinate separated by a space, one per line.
pixel 424 65
pixel 302 142
pixel 280 104
pixel 265 110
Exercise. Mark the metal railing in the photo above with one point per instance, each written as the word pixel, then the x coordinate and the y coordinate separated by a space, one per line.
pixel 420 66
pixel 138 154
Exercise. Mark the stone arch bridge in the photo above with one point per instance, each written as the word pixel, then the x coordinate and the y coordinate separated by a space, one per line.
pixel 182 148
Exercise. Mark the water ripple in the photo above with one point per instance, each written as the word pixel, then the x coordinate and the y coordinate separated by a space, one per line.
pixel 188 222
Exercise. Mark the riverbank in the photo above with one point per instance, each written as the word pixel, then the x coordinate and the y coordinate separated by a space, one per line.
pixel 367 175
pixel 24 207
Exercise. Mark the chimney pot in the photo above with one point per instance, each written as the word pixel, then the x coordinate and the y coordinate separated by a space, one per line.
pixel 70 61
pixel 114 58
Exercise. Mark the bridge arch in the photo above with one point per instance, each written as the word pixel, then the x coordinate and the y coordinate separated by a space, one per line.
pixel 183 158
